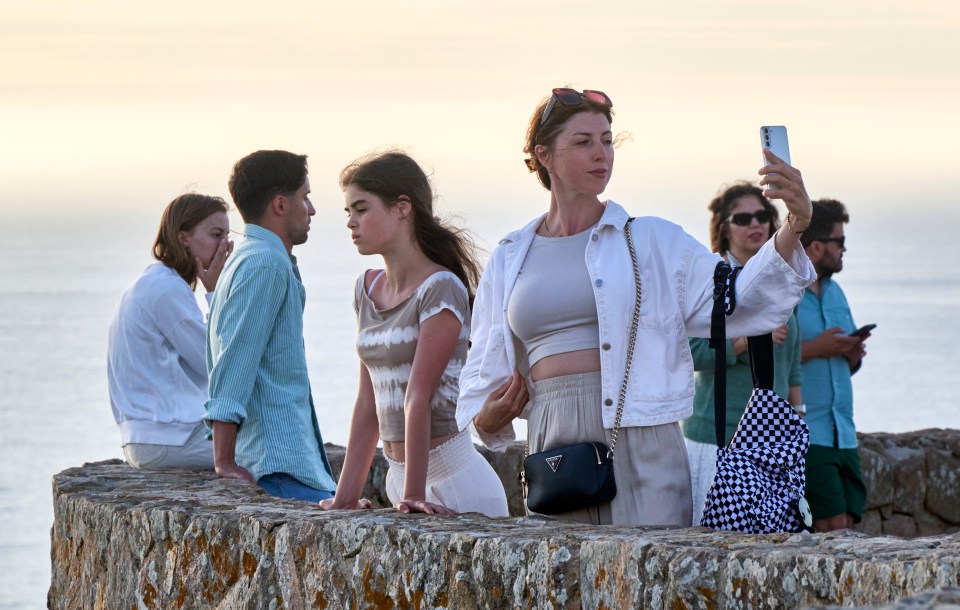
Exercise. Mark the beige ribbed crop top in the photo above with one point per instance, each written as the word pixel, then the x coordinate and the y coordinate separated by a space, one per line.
pixel 552 308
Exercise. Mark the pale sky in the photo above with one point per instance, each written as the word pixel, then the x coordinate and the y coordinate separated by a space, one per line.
pixel 118 106
pixel 111 103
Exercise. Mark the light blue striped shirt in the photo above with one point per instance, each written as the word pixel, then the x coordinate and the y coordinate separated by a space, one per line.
pixel 258 365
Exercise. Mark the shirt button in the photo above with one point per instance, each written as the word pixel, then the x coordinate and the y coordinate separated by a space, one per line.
pixel 594 237
pixel 606 346
pixel 599 283
pixel 608 402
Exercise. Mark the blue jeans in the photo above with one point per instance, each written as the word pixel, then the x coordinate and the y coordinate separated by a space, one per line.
pixel 282 485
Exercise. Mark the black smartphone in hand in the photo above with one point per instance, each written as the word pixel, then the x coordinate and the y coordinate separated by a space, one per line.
pixel 863 330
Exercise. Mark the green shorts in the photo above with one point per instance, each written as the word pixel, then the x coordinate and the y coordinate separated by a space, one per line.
pixel 834 483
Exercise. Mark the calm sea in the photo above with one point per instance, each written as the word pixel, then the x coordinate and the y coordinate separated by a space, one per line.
pixel 60 277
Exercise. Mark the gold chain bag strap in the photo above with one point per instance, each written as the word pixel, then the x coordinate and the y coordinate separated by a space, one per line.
pixel 576 476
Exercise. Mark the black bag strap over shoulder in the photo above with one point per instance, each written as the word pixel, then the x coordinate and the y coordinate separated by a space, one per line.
pixel 724 303
pixel 761 360
pixel 718 341
pixel 718 322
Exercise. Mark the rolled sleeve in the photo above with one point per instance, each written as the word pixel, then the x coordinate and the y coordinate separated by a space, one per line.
pixel 497 441
pixel 768 289
pixel 224 410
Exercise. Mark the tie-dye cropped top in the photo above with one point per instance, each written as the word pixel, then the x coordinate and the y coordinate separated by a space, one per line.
pixel 387 344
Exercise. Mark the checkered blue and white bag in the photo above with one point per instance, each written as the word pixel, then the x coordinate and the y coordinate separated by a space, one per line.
pixel 759 484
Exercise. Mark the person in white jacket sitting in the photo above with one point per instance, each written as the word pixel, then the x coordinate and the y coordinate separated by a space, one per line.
pixel 553 310
pixel 156 358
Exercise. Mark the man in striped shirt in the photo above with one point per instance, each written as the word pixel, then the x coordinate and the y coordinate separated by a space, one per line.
pixel 260 409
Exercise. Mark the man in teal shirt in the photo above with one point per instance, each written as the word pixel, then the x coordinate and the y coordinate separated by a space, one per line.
pixel 835 488
pixel 260 409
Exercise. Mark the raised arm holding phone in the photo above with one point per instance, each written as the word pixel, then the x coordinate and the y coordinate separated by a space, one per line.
pixel 537 322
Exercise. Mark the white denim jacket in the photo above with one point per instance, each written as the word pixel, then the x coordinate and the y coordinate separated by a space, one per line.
pixel 676 277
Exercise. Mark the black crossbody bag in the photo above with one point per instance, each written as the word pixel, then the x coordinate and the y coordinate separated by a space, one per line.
pixel 576 476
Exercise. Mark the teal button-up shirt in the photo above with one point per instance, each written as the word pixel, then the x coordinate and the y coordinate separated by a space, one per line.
pixel 827 390
pixel 257 363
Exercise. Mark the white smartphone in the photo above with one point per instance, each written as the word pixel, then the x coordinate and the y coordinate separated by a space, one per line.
pixel 774 137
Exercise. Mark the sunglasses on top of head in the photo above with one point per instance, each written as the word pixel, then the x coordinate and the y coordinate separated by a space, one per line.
pixel 743 219
pixel 572 97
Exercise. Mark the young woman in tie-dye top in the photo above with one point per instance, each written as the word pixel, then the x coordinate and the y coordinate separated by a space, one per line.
pixel 414 325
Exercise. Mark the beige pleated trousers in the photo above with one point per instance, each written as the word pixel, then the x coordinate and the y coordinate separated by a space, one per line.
pixel 650 462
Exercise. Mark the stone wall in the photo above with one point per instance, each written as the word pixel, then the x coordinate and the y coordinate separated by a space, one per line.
pixel 913 483
pixel 912 480
pixel 124 538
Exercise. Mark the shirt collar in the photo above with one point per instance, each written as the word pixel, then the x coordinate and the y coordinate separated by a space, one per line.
pixel 732 259
pixel 254 232
pixel 613 215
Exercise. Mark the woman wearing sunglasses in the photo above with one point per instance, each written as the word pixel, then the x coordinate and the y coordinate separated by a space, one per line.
pixel 742 222
pixel 554 309
pixel 413 328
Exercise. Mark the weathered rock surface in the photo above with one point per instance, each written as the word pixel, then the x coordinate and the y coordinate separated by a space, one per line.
pixel 942 599
pixel 124 538
pixel 913 482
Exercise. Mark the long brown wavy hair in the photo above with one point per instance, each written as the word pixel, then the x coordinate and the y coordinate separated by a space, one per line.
pixel 392 174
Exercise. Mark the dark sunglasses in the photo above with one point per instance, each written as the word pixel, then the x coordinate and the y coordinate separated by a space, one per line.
pixel 572 97
pixel 840 241
pixel 743 219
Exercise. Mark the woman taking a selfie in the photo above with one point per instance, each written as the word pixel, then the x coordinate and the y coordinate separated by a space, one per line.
pixel 555 304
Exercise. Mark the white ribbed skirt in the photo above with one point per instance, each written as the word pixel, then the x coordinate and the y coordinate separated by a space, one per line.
pixel 458 477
